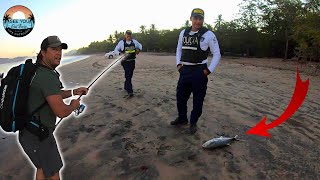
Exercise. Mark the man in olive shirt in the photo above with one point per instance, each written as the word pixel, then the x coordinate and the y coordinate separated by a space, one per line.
pixel 46 88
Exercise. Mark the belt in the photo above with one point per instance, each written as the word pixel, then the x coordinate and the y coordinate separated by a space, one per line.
pixel 129 60
pixel 195 65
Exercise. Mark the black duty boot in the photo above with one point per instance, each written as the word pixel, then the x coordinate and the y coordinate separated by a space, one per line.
pixel 178 121
pixel 130 94
pixel 193 128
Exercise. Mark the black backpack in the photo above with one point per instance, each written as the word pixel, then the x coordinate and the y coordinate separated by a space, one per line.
pixel 14 92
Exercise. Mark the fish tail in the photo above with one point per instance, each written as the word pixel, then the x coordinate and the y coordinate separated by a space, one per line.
pixel 236 137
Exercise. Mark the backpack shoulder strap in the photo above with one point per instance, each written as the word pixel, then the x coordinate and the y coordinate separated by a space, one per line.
pixel 44 103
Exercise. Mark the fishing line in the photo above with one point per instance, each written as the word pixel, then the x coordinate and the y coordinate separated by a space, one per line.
pixel 81 108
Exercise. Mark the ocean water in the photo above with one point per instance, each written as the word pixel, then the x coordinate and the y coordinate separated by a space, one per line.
pixel 4 68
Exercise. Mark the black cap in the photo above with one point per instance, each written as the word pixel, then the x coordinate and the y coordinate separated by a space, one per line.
pixel 53 41
pixel 197 12
pixel 129 32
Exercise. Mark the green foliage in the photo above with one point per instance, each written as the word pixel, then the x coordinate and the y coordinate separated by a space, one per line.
pixel 307 35
pixel 265 28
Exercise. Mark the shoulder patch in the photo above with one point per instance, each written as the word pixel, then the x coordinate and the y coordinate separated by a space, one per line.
pixel 214 39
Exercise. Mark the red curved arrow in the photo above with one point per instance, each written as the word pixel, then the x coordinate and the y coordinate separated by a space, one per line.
pixel 299 94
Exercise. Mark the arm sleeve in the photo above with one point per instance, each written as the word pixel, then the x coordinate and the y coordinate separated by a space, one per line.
pixel 137 44
pixel 119 47
pixel 215 50
pixel 179 48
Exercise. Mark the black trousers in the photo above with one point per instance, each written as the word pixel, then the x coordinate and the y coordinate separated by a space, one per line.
pixel 191 80
pixel 128 67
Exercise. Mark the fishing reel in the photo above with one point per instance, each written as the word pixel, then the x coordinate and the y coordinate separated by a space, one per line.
pixel 80 109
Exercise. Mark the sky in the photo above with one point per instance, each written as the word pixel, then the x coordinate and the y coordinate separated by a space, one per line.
pixel 80 22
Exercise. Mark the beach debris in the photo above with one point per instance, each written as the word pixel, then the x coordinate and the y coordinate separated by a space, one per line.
pixel 219 142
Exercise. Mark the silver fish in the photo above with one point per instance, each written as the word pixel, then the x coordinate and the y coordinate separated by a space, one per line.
pixel 218 142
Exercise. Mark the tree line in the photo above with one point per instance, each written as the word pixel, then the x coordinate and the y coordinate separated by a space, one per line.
pixel 264 28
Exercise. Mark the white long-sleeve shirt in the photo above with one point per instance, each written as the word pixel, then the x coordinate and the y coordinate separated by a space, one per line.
pixel 210 41
pixel 120 46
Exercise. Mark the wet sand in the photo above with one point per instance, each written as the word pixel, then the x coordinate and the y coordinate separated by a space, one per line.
pixel 130 138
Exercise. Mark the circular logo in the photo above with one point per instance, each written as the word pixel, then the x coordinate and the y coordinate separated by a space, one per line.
pixel 18 21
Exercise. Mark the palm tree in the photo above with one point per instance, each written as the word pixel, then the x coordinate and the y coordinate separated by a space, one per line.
pixel 142 29
pixel 187 23
pixel 31 17
pixel 152 28
pixel 218 23
pixel 6 18
pixel 116 35
pixel 110 39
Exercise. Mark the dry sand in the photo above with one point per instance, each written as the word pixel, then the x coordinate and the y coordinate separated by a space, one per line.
pixel 120 138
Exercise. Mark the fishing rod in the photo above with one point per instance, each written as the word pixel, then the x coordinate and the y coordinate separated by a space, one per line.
pixel 81 108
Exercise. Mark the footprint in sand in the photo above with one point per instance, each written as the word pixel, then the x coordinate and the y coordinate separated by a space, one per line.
pixel 109 104
pixel 118 132
pixel 137 114
pixel 98 65
pixel 162 138
pixel 119 109
pixel 101 125
pixel 144 128
pixel 130 146
pixel 73 138
pixel 165 100
pixel 128 124
pixel 84 129
pixel 88 116
pixel 162 149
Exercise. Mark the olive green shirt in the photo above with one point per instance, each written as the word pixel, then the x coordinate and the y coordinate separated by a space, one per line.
pixel 45 83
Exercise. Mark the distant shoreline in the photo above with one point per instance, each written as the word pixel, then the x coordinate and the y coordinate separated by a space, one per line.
pixel 6 66
pixel 20 59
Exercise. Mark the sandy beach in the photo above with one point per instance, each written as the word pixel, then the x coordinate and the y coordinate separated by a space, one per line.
pixel 130 138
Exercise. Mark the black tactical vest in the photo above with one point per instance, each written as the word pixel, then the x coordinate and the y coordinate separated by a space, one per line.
pixel 191 51
pixel 129 49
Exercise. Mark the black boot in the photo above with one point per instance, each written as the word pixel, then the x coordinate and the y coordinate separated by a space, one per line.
pixel 193 128
pixel 178 121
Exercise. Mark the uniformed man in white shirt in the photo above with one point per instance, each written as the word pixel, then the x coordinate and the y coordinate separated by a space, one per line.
pixel 131 47
pixel 193 48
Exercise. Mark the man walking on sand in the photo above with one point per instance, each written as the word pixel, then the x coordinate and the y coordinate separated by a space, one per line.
pixel 192 58
pixel 131 47
pixel 45 92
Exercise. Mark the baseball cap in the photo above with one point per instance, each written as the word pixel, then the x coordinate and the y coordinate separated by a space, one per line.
pixel 53 41
pixel 197 12
pixel 129 32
